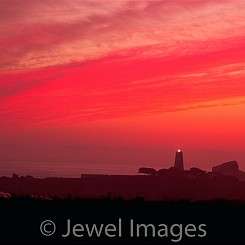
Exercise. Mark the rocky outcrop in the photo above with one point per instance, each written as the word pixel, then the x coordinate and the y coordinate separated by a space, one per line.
pixel 231 169
pixel 227 168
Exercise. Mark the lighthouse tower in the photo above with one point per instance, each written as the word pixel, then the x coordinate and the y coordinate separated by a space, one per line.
pixel 179 162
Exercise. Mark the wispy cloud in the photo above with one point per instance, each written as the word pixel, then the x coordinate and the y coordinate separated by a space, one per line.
pixel 102 89
pixel 105 59
pixel 39 34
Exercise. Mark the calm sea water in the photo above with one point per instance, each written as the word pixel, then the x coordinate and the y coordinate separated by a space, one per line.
pixel 54 169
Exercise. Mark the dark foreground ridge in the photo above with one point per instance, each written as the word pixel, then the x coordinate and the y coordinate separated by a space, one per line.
pixel 225 181
pixel 182 222
pixel 168 206
pixel 170 184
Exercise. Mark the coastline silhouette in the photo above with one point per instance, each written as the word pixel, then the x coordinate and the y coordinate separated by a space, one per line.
pixel 225 181
pixel 166 196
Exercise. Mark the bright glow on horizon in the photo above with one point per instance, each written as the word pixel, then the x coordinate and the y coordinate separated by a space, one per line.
pixel 179 150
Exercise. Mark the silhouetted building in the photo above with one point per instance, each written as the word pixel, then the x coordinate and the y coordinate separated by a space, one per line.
pixel 179 162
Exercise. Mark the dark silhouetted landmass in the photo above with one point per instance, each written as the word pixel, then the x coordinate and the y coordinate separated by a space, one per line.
pixel 230 169
pixel 167 196
pixel 165 184
pixel 225 181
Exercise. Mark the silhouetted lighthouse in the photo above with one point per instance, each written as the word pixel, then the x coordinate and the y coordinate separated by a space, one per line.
pixel 179 163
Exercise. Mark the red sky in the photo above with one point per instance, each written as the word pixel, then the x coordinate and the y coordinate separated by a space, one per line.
pixel 122 82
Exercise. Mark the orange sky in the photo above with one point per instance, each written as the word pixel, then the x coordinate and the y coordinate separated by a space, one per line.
pixel 114 82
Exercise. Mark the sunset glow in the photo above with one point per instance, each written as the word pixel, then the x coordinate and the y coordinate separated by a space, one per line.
pixel 122 82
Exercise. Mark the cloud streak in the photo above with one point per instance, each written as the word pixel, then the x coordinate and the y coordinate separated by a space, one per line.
pixel 36 34
pixel 73 62
pixel 114 87
pixel 121 75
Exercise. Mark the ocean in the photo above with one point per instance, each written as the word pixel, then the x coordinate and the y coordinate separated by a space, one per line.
pixel 66 170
